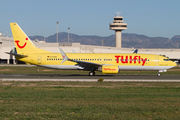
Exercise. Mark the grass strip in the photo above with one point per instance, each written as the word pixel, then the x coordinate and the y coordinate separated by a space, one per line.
pixel 93 100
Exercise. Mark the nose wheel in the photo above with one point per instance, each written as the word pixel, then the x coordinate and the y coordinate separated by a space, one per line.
pixel 91 73
pixel 158 74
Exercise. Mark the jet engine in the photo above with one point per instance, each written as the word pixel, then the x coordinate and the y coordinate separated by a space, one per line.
pixel 109 69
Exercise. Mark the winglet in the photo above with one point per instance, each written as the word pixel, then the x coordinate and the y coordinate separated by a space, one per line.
pixel 136 51
pixel 63 55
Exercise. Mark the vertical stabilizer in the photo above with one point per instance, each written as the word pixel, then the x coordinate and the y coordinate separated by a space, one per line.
pixel 22 42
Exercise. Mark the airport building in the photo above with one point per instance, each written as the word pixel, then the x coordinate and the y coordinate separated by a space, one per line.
pixel 7 45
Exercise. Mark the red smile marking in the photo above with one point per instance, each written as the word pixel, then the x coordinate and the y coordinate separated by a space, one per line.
pixel 17 42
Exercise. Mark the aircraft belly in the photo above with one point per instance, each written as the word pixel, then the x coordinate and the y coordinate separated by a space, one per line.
pixel 145 67
pixel 62 67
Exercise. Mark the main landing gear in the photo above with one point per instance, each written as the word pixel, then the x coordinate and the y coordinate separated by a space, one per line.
pixel 91 73
pixel 160 72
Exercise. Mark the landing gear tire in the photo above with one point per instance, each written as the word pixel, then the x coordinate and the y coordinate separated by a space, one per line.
pixel 158 74
pixel 91 73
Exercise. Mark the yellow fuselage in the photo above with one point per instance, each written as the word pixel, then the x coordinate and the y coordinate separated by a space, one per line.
pixel 124 61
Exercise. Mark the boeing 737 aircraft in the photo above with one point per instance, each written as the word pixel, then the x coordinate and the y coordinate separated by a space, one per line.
pixel 110 63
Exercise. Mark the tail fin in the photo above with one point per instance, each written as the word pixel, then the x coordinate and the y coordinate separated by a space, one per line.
pixel 22 42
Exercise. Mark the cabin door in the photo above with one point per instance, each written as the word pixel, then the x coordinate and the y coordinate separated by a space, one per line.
pixel 156 60
pixel 39 59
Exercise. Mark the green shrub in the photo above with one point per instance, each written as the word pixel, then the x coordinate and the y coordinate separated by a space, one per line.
pixel 100 80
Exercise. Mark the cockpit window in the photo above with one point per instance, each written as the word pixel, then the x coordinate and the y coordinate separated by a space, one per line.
pixel 166 59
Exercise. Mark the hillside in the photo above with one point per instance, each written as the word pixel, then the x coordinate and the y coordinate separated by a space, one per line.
pixel 128 40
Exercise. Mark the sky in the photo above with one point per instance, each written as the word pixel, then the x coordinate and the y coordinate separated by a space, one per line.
pixel 153 18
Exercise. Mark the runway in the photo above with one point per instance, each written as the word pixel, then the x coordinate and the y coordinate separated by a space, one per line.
pixel 86 78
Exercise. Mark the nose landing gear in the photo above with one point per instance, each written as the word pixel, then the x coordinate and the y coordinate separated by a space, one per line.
pixel 91 73
pixel 158 74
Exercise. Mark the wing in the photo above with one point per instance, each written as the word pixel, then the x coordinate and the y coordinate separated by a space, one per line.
pixel 86 65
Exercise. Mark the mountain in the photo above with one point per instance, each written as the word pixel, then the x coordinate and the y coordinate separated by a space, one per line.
pixel 40 38
pixel 175 38
pixel 142 41
pixel 128 40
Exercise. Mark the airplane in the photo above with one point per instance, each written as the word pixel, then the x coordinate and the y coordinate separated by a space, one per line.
pixel 107 63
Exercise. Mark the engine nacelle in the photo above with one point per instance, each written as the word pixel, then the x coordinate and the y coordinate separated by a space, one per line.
pixel 110 69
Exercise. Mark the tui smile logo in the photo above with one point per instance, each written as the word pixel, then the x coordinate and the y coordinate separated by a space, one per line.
pixel 17 42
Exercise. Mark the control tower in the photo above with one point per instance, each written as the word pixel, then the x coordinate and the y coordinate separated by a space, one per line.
pixel 118 26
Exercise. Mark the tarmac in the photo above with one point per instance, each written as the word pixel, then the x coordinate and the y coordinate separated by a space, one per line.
pixel 86 78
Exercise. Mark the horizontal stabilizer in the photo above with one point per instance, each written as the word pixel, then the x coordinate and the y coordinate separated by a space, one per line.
pixel 17 55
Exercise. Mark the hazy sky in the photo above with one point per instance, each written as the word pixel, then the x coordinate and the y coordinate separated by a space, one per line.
pixel 154 18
